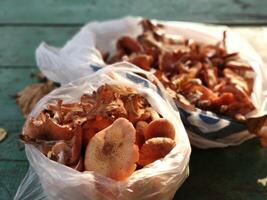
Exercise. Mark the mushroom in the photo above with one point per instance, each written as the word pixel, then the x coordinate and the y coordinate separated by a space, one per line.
pixel 154 149
pixel 112 152
pixel 46 128
pixel 140 129
pixel 67 152
pixel 160 128
pixel 93 126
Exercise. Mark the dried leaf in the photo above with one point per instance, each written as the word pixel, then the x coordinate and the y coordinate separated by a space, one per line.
pixel 3 134
pixel 29 96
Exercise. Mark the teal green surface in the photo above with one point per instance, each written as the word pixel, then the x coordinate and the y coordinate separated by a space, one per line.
pixel 226 174
pixel 221 174
pixel 77 12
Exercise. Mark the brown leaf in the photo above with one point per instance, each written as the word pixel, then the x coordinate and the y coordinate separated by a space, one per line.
pixel 29 96
pixel 3 134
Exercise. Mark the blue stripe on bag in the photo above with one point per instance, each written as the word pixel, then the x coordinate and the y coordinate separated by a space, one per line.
pixel 144 82
pixel 138 80
pixel 210 126
pixel 95 67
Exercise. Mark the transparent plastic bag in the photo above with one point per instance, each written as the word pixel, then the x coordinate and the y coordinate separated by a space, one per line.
pixel 158 180
pixel 205 129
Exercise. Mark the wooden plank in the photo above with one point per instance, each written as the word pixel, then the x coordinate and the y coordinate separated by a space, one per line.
pixel 13 162
pixel 77 12
pixel 12 173
pixel 11 82
pixel 11 119
pixel 18 44
pixel 229 173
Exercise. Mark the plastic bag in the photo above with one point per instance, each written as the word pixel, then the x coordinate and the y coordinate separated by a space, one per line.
pixel 158 180
pixel 205 129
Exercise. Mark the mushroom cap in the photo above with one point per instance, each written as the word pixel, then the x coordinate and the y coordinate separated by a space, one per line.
pixel 160 128
pixel 112 152
pixel 154 149
pixel 93 126
pixel 140 129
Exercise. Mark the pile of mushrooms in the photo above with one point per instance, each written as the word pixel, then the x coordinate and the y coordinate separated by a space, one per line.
pixel 113 131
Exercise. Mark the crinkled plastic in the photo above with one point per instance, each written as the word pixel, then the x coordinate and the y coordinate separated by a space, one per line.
pixel 47 179
pixel 205 129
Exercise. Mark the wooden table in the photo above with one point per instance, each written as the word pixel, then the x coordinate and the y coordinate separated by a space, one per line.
pixel 229 173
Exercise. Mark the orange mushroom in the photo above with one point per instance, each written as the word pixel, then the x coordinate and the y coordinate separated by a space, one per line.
pixel 160 128
pixel 112 152
pixel 154 149
pixel 47 128
pixel 91 127
pixel 140 129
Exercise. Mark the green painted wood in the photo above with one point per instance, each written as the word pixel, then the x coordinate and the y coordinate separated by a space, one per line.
pixel 13 162
pixel 77 12
pixel 220 174
pixel 18 44
pixel 226 174
pixel 11 82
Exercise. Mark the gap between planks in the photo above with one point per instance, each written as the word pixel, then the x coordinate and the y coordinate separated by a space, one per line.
pixel 51 25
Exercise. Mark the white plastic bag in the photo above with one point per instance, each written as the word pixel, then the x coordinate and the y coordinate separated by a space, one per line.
pixel 205 129
pixel 156 181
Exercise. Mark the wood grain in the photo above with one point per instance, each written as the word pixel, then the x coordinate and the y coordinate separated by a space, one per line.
pixel 226 174
pixel 13 162
pixel 219 174
pixel 18 44
pixel 59 12
pixel 11 82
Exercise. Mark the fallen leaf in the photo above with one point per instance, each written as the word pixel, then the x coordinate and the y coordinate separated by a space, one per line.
pixel 3 134
pixel 27 98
